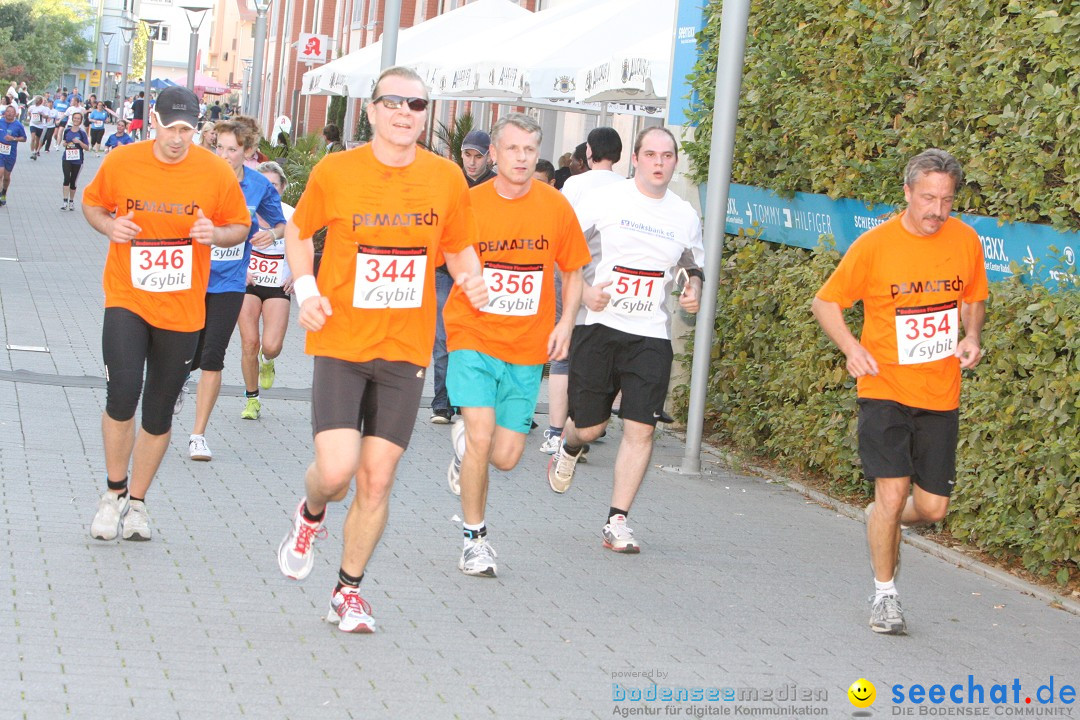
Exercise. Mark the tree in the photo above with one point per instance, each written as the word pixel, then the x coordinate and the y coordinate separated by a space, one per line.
pixel 40 39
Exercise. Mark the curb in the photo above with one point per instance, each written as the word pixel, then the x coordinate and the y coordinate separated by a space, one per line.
pixel 914 539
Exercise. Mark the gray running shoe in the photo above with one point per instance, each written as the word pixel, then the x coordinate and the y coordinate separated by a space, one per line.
pixel 886 615
pixel 618 537
pixel 137 522
pixel 110 513
pixel 478 558
pixel 560 472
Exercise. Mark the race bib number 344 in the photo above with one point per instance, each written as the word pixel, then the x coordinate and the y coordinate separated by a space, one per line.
pixel 389 277
pixel 926 333
pixel 161 265
pixel 513 289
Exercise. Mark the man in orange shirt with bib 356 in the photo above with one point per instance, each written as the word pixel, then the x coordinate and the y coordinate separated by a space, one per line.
pixel 497 356
pixel 392 209
pixel 920 276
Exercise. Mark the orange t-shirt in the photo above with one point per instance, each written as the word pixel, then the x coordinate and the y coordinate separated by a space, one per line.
pixel 521 240
pixel 388 227
pixel 167 287
pixel 912 289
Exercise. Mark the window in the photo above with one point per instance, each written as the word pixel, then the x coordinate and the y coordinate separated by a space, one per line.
pixel 159 33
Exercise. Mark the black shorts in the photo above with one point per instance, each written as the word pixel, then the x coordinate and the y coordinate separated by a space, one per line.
pixel 36 131
pixel 604 361
pixel 377 397
pixel 95 136
pixel 129 345
pixel 265 292
pixel 900 441
pixel 222 310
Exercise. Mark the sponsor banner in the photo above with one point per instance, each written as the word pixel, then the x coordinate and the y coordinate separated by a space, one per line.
pixel 1043 253
pixel 690 19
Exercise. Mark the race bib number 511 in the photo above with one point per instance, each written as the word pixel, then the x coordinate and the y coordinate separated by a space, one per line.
pixel 389 277
pixel 161 265
pixel 635 292
pixel 926 333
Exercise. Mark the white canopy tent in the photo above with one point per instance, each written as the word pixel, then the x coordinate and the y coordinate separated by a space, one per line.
pixel 641 73
pixel 355 74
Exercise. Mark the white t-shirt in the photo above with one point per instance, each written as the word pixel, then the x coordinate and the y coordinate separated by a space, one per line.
pixel 639 243
pixel 40 115
pixel 576 186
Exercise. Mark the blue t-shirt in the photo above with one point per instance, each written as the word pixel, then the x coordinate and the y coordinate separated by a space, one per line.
pixel 97 119
pixel 16 129
pixel 228 266
pixel 117 140
pixel 71 135
pixel 61 107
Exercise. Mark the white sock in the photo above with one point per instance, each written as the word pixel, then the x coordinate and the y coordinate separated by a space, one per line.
pixel 473 528
pixel 884 588
pixel 195 436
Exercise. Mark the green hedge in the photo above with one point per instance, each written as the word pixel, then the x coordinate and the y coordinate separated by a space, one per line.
pixel 778 388
pixel 836 97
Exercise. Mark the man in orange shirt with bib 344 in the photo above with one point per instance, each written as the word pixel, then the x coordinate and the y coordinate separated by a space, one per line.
pixel 392 209
pixel 497 356
pixel 920 276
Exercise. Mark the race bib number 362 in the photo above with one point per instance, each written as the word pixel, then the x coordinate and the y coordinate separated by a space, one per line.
pixel 161 265
pixel 926 333
pixel 389 277
pixel 266 270
pixel 513 289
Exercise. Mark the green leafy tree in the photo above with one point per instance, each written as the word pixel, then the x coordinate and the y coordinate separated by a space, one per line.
pixel 453 135
pixel 40 39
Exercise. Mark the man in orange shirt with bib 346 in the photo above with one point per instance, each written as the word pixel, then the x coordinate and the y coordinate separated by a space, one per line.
pixel 392 209
pixel 920 276
pixel 497 356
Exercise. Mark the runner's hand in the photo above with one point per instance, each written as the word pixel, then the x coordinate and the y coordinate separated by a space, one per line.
pixel 690 299
pixel 558 345
pixel 313 313
pixel 286 287
pixel 475 289
pixel 262 239
pixel 203 229
pixel 594 297
pixel 123 228
pixel 860 362
pixel 969 352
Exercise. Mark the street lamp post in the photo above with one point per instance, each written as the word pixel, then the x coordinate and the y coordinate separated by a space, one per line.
pixel 148 76
pixel 261 7
pixel 195 16
pixel 106 38
pixel 245 87
pixel 127 33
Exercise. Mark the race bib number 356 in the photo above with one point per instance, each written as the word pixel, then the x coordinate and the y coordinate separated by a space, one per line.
pixel 161 265
pixel 926 333
pixel 635 292
pixel 389 277
pixel 513 289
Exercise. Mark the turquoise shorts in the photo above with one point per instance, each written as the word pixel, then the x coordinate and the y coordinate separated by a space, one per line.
pixel 474 379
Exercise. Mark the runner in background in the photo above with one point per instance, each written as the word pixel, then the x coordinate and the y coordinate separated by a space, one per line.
pixel 11 134
pixel 75 144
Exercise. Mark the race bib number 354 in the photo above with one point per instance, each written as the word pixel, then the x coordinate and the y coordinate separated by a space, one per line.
pixel 161 265
pixel 389 277
pixel 513 289
pixel 926 333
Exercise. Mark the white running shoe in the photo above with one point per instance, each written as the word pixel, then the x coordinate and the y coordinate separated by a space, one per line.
pixel 550 446
pixel 198 449
pixel 109 515
pixel 478 558
pixel 295 554
pixel 136 522
pixel 350 612
pixel 618 537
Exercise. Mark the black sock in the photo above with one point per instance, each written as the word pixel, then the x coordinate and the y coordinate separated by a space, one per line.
pixel 571 450
pixel 309 517
pixel 347 580
pixel 613 511
pixel 142 499
pixel 251 393
pixel 121 486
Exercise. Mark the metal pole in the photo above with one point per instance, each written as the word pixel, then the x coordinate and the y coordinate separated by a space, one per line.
pixel 127 33
pixel 391 23
pixel 245 91
pixel 257 61
pixel 106 38
pixel 193 51
pixel 147 80
pixel 729 71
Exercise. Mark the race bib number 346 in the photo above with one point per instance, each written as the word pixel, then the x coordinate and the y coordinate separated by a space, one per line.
pixel 161 265
pixel 389 277
pixel 926 333
pixel 513 289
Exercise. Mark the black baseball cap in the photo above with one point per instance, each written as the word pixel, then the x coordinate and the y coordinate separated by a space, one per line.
pixel 177 105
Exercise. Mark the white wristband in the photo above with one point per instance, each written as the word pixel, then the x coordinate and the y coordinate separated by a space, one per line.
pixel 305 287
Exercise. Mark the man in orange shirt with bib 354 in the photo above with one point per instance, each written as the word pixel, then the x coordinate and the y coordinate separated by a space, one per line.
pixel 497 356
pixel 920 276
pixel 392 209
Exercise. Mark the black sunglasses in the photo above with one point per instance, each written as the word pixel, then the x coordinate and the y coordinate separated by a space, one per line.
pixel 393 102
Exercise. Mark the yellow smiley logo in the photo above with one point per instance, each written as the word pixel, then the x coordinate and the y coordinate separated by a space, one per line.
pixel 862 693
